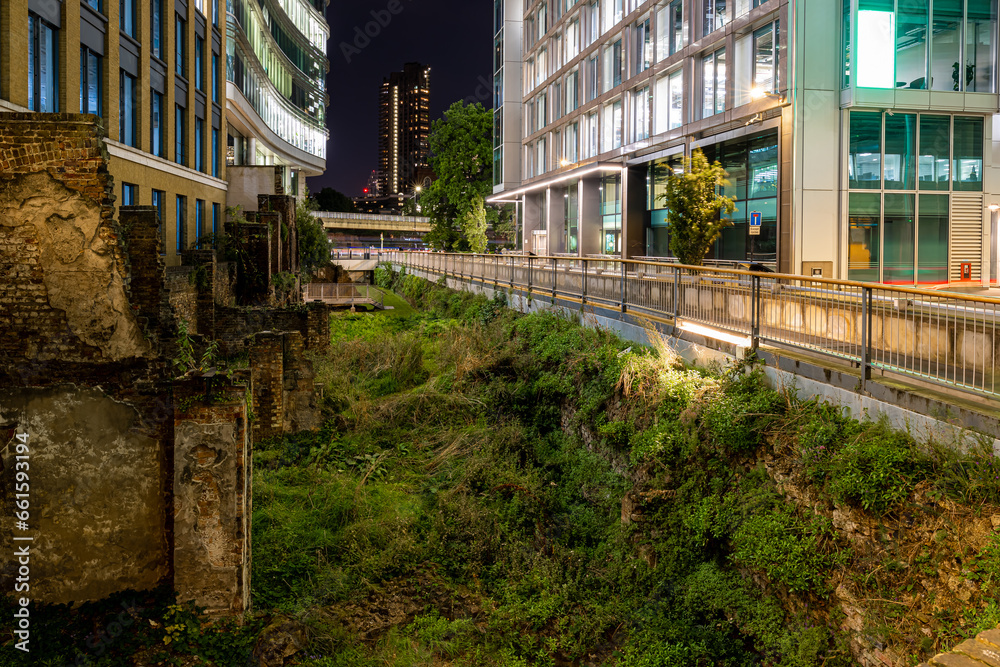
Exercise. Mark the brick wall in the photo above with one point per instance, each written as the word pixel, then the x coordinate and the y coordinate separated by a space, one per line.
pixel 234 325
pixel 253 276
pixel 212 491
pixel 225 283
pixel 140 229
pixel 268 375
pixel 182 295
pixel 287 254
pixel 63 272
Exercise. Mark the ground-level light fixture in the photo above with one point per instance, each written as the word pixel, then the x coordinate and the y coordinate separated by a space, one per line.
pixel 709 332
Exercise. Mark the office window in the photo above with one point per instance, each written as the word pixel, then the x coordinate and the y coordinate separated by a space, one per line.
pixel 127 17
pixel 864 166
pixel 199 63
pixel 199 144
pixel 590 130
pixel 900 158
pixel 968 162
pixel 180 141
pixel 612 122
pixel 935 152
pixel 215 78
pixel 765 65
pixel 90 81
pixel 181 220
pixel 641 101
pixel 541 66
pixel 715 16
pixel 643 45
pixel 572 97
pixel 215 152
pixel 95 5
pixel 130 194
pixel 932 239
pixel 669 29
pixel 159 200
pixel 43 65
pixel 572 41
pixel 541 106
pixel 676 100
pixel 980 29
pixel 541 157
pixel 127 105
pixel 199 221
pixel 215 224
pixel 864 216
pixel 157 129
pixel 714 78
pixel 661 105
pixel 570 143
pixel 611 66
pixel 215 12
pixel 156 24
pixel 614 12
pixel 180 35
pixel 592 26
pixel 592 89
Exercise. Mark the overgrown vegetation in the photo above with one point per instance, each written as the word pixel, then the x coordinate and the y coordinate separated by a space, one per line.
pixel 495 490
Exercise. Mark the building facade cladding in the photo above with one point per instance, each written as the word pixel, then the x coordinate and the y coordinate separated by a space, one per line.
pixel 118 59
pixel 877 171
pixel 507 97
pixel 404 128
pixel 276 66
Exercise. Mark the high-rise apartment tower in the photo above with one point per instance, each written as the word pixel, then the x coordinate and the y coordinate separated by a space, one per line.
pixel 404 127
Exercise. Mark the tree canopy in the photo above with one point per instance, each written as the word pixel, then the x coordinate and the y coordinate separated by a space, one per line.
pixel 333 201
pixel 462 158
pixel 695 207
pixel 314 244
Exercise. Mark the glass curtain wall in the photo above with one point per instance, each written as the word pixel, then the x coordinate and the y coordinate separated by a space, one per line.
pixel 752 168
pixel 657 232
pixel 944 45
pixel 572 217
pixel 901 168
pixel 611 214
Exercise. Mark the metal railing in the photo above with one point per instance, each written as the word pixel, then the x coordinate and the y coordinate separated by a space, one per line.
pixel 940 337
pixel 343 294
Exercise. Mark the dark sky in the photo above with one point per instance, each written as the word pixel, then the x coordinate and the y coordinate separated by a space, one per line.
pixel 453 37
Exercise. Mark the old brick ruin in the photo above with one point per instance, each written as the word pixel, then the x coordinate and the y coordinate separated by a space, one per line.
pixel 140 468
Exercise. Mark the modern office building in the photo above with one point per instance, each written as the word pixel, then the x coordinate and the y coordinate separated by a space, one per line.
pixel 276 96
pixel 404 126
pixel 862 131
pixel 152 70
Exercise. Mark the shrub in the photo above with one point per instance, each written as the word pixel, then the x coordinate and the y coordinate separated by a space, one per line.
pixel 877 470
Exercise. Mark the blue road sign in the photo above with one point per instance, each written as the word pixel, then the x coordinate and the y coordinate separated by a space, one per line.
pixel 754 223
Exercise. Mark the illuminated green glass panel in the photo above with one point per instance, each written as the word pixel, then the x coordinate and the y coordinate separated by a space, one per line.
pixel 864 213
pixel 932 234
pixel 899 241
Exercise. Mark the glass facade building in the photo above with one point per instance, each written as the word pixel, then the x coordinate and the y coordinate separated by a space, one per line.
pixel 873 162
pixel 143 68
pixel 275 72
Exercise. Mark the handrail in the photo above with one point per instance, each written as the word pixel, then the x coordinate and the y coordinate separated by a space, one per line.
pixel 742 272
pixel 946 338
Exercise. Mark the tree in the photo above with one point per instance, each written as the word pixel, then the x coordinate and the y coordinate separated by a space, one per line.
pixel 474 224
pixel 462 158
pixel 694 208
pixel 314 245
pixel 333 201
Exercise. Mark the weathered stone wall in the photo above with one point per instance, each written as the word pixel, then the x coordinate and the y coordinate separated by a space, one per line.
pixel 301 408
pixel 98 491
pixel 140 228
pixel 62 271
pixel 225 283
pixel 234 325
pixel 212 495
pixel 182 295
pixel 267 368
pixel 284 390
pixel 287 240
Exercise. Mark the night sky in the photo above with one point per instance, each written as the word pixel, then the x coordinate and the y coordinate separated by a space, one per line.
pixel 453 37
